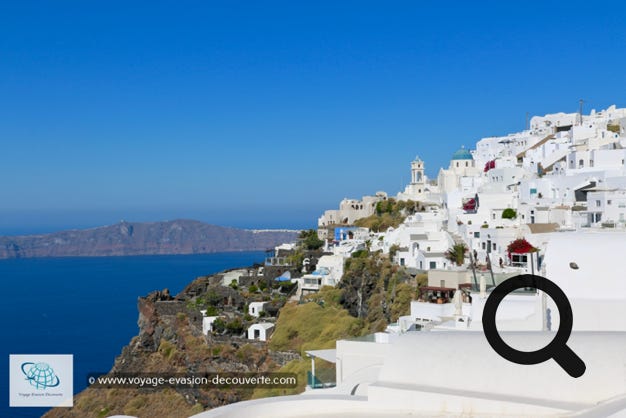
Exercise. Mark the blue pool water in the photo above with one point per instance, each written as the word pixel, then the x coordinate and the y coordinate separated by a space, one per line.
pixel 87 306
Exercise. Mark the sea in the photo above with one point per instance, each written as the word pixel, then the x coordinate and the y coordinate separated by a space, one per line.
pixel 87 306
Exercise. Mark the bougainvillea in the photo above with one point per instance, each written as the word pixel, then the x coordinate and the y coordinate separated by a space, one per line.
pixel 489 165
pixel 520 246
pixel 470 205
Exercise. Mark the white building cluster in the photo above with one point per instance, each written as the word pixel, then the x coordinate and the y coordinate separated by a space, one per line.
pixel 566 172
pixel 558 190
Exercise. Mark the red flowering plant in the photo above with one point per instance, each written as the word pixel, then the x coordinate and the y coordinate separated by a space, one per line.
pixel 520 246
pixel 470 205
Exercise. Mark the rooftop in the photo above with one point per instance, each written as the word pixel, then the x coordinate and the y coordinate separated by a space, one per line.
pixel 462 154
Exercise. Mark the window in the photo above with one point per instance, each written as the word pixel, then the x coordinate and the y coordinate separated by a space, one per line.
pixel 590 163
pixel 598 203
pixel 484 246
pixel 457 163
pixel 433 264
pixel 465 163
pixel 494 246
pixel 581 163
pixel 402 261
pixel 477 234
pixel 608 202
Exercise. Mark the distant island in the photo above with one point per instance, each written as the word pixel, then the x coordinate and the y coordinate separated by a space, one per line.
pixel 181 236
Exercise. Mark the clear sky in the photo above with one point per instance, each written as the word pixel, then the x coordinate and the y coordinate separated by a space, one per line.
pixel 263 114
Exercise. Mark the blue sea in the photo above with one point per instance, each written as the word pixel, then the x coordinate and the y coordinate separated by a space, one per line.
pixel 87 306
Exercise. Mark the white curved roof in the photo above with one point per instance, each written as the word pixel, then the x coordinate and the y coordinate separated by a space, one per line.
pixel 458 374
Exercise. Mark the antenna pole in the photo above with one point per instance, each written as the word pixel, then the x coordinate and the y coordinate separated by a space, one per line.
pixel 580 111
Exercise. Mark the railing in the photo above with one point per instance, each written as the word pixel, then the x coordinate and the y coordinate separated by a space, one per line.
pixel 322 379
pixel 277 261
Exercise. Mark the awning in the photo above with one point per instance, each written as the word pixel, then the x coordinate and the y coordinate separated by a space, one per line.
pixel 286 276
pixel 329 355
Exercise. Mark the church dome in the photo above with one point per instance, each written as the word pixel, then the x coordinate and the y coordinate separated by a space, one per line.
pixel 462 154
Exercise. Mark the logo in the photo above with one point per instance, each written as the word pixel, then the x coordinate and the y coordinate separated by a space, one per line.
pixel 40 375
pixel 557 349
pixel 41 380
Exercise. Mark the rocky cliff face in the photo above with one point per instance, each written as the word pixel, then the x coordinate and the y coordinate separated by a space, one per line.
pixel 132 238
pixel 170 341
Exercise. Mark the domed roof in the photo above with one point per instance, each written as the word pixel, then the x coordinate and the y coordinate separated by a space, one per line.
pixel 462 154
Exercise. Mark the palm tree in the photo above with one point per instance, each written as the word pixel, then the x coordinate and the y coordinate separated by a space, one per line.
pixel 456 254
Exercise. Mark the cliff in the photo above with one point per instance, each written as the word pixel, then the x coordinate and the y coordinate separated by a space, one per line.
pixel 135 238
pixel 170 342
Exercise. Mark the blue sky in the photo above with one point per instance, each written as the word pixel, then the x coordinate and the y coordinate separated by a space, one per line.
pixel 263 114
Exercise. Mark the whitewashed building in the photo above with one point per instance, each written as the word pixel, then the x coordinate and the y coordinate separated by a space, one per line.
pixel 261 331
pixel 255 308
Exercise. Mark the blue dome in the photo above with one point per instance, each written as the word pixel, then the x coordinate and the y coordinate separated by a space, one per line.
pixel 462 154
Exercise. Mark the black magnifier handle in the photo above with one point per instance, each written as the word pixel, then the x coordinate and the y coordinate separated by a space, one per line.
pixel 570 362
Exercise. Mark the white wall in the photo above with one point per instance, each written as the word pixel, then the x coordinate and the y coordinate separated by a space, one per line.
pixel 207 324
pixel 255 308
pixel 597 289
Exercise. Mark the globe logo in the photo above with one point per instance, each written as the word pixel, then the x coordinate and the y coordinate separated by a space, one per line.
pixel 40 375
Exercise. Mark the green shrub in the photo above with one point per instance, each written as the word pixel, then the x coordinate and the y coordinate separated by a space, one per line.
pixel 211 311
pixel 167 349
pixel 360 254
pixel 393 250
pixel 509 213
pixel 310 240
pixel 218 325
pixel 613 128
pixel 235 326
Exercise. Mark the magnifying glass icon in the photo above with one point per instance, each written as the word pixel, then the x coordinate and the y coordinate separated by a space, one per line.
pixel 557 348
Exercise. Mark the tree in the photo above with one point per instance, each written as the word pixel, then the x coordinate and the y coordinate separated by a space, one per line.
pixel 310 240
pixel 456 254
pixel 509 213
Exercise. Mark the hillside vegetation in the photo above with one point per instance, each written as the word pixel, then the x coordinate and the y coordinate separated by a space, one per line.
pixel 376 290
pixel 389 213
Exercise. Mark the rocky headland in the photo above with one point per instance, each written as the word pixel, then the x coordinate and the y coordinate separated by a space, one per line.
pixel 142 238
